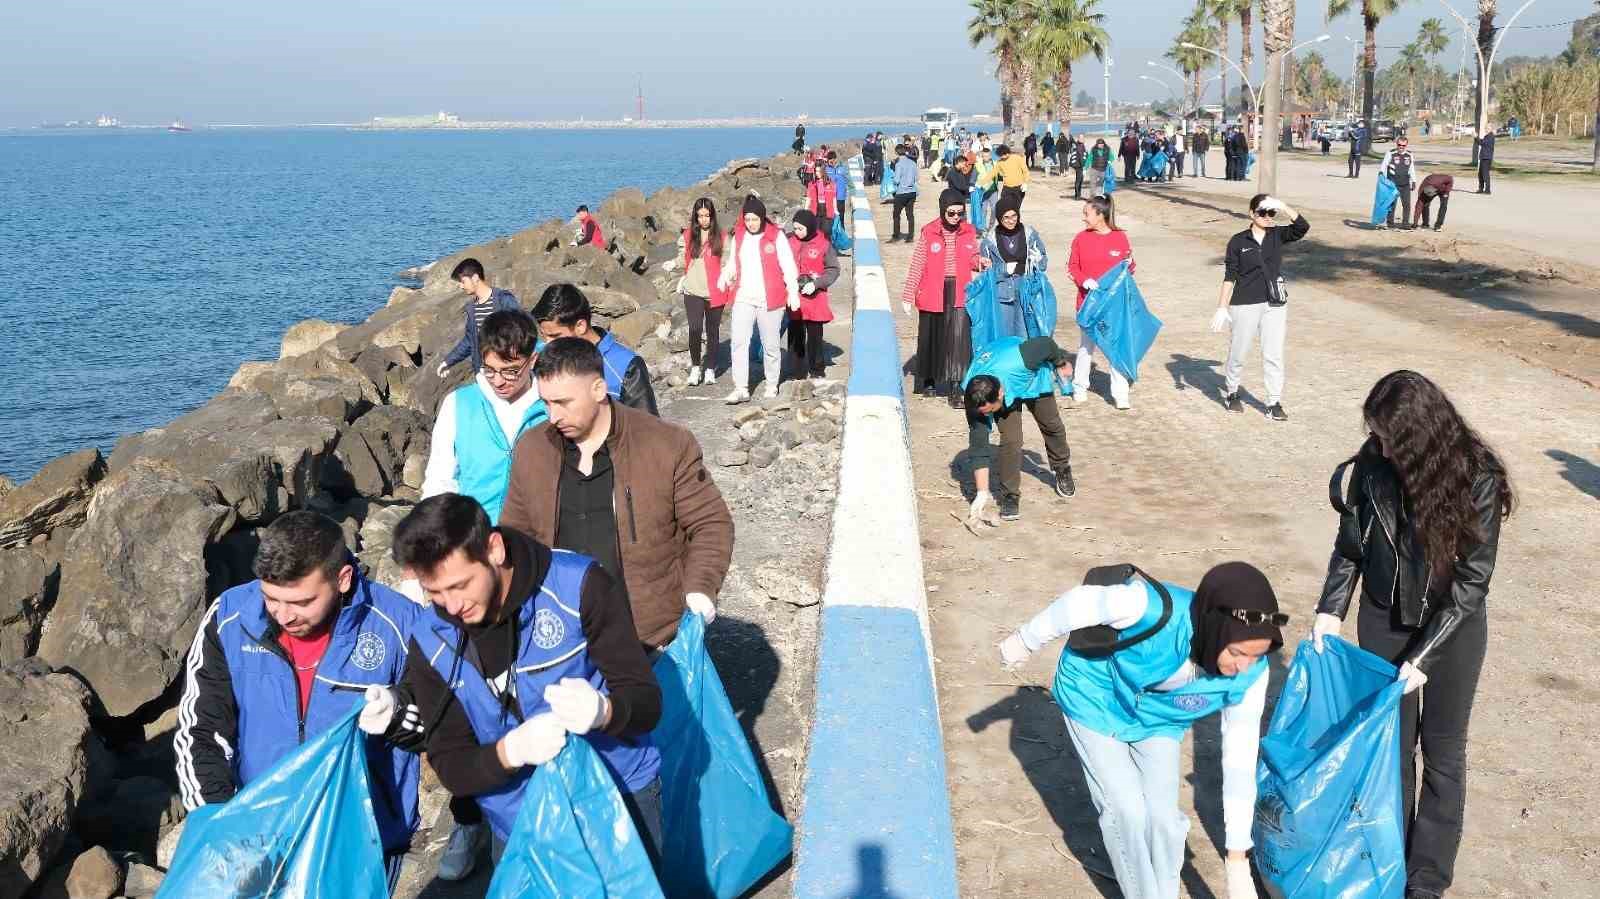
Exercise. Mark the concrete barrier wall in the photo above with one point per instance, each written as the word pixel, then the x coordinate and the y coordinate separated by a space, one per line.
pixel 877 809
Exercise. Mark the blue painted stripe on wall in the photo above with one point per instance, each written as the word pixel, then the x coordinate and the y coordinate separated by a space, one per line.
pixel 877 814
pixel 874 355
pixel 867 252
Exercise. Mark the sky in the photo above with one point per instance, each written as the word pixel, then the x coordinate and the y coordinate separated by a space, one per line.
pixel 293 61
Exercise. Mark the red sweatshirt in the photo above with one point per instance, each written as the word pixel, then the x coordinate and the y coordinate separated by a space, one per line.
pixel 1093 254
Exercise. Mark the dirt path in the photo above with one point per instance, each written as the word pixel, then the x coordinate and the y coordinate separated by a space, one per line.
pixel 1177 485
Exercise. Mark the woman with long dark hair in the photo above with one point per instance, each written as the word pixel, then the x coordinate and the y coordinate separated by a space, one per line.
pixel 1419 528
pixel 700 257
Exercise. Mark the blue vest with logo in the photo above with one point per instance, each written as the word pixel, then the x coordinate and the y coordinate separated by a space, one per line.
pixel 550 646
pixel 616 359
pixel 367 646
pixel 1002 360
pixel 1113 695
pixel 483 455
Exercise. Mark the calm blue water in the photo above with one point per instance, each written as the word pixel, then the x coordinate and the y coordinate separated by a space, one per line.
pixel 138 269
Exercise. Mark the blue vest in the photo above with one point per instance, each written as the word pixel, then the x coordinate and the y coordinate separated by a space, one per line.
pixel 368 646
pixel 1002 360
pixel 616 358
pixel 551 646
pixel 483 456
pixel 1112 696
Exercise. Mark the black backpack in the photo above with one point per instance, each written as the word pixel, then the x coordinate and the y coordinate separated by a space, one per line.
pixel 1102 640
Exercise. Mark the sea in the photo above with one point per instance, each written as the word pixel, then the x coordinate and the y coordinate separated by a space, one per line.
pixel 139 268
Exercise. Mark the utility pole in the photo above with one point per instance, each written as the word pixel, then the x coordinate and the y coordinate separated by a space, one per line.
pixel 1108 93
pixel 641 98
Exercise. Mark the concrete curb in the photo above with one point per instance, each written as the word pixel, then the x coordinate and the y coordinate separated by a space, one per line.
pixel 877 808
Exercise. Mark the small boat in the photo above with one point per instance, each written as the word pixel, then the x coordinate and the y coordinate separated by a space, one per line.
pixel 178 127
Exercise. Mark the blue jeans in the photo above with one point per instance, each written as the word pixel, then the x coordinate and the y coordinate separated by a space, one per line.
pixel 1135 789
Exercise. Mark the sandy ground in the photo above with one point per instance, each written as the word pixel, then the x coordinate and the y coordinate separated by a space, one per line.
pixel 1177 485
pixel 764 648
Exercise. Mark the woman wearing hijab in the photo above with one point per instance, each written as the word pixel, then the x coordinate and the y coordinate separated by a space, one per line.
pixel 1437 494
pixel 700 252
pixel 1013 250
pixel 818 265
pixel 761 276
pixel 1096 249
pixel 1127 707
pixel 941 267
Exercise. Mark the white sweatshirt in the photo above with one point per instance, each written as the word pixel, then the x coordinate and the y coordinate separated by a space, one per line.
pixel 440 475
pixel 747 268
pixel 1122 606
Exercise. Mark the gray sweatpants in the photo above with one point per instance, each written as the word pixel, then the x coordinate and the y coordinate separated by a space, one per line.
pixel 1272 323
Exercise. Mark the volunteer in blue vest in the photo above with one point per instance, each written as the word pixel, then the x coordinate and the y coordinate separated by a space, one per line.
pixel 563 311
pixel 841 183
pixel 1127 707
pixel 524 646
pixel 284 658
pixel 1005 377
pixel 483 300
pixel 474 433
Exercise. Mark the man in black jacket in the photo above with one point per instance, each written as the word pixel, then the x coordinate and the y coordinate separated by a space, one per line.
pixel 564 311
pixel 1485 159
pixel 1077 156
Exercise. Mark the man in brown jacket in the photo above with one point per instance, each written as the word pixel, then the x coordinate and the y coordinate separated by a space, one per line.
pixel 623 487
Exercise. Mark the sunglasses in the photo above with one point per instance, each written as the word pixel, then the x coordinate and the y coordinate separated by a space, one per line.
pixel 954 213
pixel 1267 213
pixel 1256 616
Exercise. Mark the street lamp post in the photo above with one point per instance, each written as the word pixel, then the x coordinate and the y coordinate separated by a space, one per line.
pixel 1484 65
pixel 1355 59
pixel 1182 79
pixel 1107 89
pixel 1169 90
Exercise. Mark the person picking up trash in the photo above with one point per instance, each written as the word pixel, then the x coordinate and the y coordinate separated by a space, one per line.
pixel 1005 377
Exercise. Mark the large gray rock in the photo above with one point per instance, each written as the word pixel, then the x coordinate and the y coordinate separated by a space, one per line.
pixel 318 397
pixel 394 433
pixel 28 584
pixel 303 337
pixel 134 583
pixel 227 411
pixel 327 365
pixel 44 768
pixel 300 447
pixel 633 329
pixel 55 497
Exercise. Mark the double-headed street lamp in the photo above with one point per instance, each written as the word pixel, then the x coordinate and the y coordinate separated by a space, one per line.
pixel 1254 102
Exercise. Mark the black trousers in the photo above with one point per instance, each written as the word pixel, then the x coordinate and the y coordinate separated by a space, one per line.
pixel 1355 165
pixel 703 319
pixel 1130 168
pixel 1444 205
pixel 465 810
pixel 1484 168
pixel 1077 182
pixel 944 343
pixel 805 341
pixel 907 204
pixel 1230 166
pixel 1436 716
pixel 1403 202
pixel 1013 193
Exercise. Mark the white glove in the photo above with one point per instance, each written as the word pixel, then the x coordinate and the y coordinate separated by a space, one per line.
pixel 440 368
pixel 701 605
pixel 906 308
pixel 725 281
pixel 808 288
pixel 1270 203
pixel 1220 319
pixel 1011 268
pixel 576 704
pixel 1240 884
pixel 534 741
pixel 1413 677
pixel 794 302
pixel 979 503
pixel 1013 652
pixel 1324 625
pixel 1091 284
pixel 669 265
pixel 378 710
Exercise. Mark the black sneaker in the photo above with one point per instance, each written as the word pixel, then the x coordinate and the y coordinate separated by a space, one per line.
pixel 1231 402
pixel 1276 413
pixel 1064 486
pixel 1010 507
pixel 929 391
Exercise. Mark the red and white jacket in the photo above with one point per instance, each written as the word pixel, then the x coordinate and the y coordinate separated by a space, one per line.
pixel 815 257
pixel 777 265
pixel 941 254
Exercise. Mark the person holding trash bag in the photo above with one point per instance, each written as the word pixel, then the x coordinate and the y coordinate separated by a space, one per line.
pixel 1419 527
pixel 1012 251
pixel 1254 300
pixel 1098 247
pixel 286 657
pixel 1144 661
pixel 524 645
pixel 936 286
pixel 1005 377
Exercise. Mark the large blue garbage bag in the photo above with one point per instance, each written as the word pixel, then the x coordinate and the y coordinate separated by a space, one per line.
pixel 886 187
pixel 975 207
pixel 1154 165
pixel 303 829
pixel 1038 299
pixel 1249 163
pixel 980 305
pixel 1110 185
pixel 573 838
pixel 1117 320
pixel 720 832
pixel 983 312
pixel 840 237
pixel 1383 199
pixel 1327 823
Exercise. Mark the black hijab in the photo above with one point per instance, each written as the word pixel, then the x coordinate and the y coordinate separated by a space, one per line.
pixel 1231 585
pixel 1011 242
pixel 809 219
pixel 752 203
pixel 948 198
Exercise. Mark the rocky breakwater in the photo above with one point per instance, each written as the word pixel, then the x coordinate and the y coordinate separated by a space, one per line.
pixel 107 565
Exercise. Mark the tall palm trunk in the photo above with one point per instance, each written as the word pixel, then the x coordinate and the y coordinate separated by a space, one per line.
pixel 1369 67
pixel 1596 165
pixel 1222 66
pixel 1246 57
pixel 1029 95
pixel 1277 36
pixel 1064 100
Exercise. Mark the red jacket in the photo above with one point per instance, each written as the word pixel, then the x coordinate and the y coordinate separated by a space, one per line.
pixel 820 196
pixel 771 274
pixel 925 281
pixel 596 236
pixel 811 258
pixel 719 297
pixel 1093 254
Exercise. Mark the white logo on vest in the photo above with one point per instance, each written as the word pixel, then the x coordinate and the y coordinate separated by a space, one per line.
pixel 369 652
pixel 548 630
pixel 935 247
pixel 1189 702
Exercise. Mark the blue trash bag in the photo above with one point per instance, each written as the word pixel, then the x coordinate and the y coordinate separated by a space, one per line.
pixel 1154 165
pixel 720 833
pixel 573 838
pixel 975 208
pixel 1110 185
pixel 840 236
pixel 304 828
pixel 1038 298
pixel 1117 320
pixel 1383 199
pixel 979 301
pixel 886 186
pixel 1328 806
pixel 1249 163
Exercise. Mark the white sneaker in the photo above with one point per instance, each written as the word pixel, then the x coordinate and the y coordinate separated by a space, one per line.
pixel 461 855
pixel 739 395
pixel 1080 395
pixel 771 393
pixel 818 381
pixel 694 377
pixel 1122 405
pixel 708 377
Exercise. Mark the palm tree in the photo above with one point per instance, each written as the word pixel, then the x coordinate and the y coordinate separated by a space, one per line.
pixel 1372 12
pixel 1224 12
pixel 1062 32
pixel 995 22
pixel 1277 37
pixel 1198 30
pixel 1247 53
pixel 1410 63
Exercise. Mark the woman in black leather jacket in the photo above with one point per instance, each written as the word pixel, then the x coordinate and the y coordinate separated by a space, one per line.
pixel 1418 528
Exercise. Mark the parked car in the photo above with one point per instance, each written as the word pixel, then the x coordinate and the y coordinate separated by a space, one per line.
pixel 1463 129
pixel 1385 130
pixel 1338 130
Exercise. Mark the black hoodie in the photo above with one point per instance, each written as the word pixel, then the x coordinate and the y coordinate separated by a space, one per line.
pixel 467 767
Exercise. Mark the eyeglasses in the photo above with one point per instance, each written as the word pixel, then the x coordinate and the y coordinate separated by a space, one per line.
pixel 954 213
pixel 504 374
pixel 1256 616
